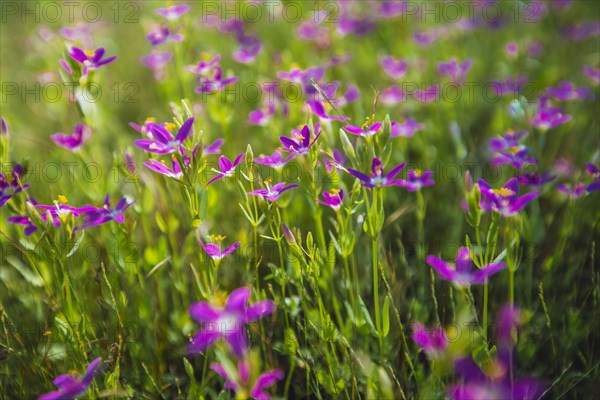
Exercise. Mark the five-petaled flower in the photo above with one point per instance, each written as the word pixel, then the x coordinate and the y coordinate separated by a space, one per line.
pixel 368 129
pixel 90 59
pixel 504 200
pixel 416 179
pixel 433 342
pixel 300 142
pixel 333 198
pixel 213 249
pixel 240 382
pixel 101 215
pixel 272 193
pixel 164 142
pixel 11 184
pixel 70 387
pixel 227 323
pixel 227 167
pixel 378 178
pixel 463 273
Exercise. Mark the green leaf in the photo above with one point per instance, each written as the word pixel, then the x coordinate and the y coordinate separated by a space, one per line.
pixel 76 245
pixel 386 316
pixel 189 369
pixel 27 273
pixel 290 342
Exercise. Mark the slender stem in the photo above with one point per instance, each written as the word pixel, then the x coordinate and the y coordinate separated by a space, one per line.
pixel 376 296
pixel 485 309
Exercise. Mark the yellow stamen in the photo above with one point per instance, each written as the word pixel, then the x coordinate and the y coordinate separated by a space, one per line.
pixel 170 126
pixel 334 192
pixel 89 53
pixel 268 181
pixel 205 56
pixel 504 192
pixel 514 150
pixel 418 172
pixel 150 119
pixel 62 199
pixel 47 333
pixel 216 238
pixel 368 122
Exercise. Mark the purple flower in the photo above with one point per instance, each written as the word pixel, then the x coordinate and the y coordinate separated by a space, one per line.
pixel 90 59
pixel 392 8
pixel 261 117
pixel 509 140
pixel 272 193
pixel 214 250
pixel 318 108
pixel 250 46
pixel 214 147
pixel 433 342
pixel 161 168
pixel 157 61
pixel 406 128
pixel 275 161
pixel 333 198
pixel 81 134
pixel 303 77
pixel 336 160
pixel 426 38
pixel 227 167
pixel 582 31
pixel 23 220
pixel 70 387
pixel 455 70
pixel 242 378
pixel 312 31
pixel 227 323
pixel 173 13
pixel 368 129
pixel 164 142
pixel 99 216
pixel 417 179
pixel 81 32
pixel 517 156
pixel 462 273
pixel 534 179
pixel 11 184
pixel 504 200
pixel 395 69
pixel 215 83
pixel 548 117
pixel 162 34
pixel 204 67
pixel 594 172
pixel 377 178
pixel 592 73
pixel 392 96
pixel 3 127
pixel 427 95
pixel 300 142
pixel 511 49
pixel 567 91
pixel 509 86
pixel 573 191
pixel 499 381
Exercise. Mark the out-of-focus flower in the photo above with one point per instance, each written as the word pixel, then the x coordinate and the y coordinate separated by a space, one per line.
pixel 157 61
pixel 406 128
pixel 378 178
pixel 427 95
pixel 163 34
pixel 511 85
pixel 573 191
pixel 336 160
pixel 392 95
pixel 276 160
pixel 455 70
pixel 240 382
pixel 433 342
pixel 319 109
pixel 90 59
pixel 517 156
pixel 395 69
pixel 249 48
pixel 416 179
pixel 215 83
pixel 535 180
pixel 11 184
pixel 272 193
pixel 567 91
pixel 582 31
pixel 594 172
pixel 227 323
pixel 204 67
pixel 504 200
pixel 547 116
pixel 164 142
pixel 333 198
pixel 463 272
pixel 70 387
pixel 161 168
pixel 174 12
pixel 227 168
pixel 3 127
pixel 79 33
pixel 592 73
pixel 507 141
pixel 81 134
pixel 511 49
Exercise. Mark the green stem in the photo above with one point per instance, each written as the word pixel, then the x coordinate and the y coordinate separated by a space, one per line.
pixel 376 296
